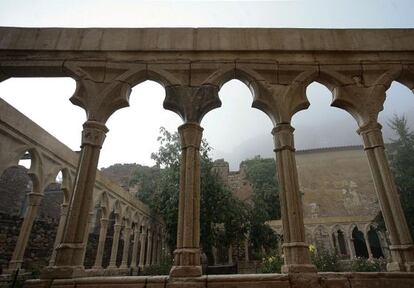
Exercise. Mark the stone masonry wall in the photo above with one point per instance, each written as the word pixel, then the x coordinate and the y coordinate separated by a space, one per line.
pixel 334 182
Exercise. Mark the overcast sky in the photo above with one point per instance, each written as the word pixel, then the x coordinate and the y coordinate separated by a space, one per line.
pixel 235 131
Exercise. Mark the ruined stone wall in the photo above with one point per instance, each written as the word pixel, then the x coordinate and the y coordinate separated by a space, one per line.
pixel 40 243
pixel 14 185
pixel 236 181
pixel 13 188
pixel 334 182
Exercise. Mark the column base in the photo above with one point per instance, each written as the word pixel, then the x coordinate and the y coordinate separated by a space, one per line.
pixel 299 268
pixel 186 271
pixel 62 272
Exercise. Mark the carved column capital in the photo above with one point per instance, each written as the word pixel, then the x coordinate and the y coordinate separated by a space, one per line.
pixel 283 137
pixel 117 227
pixel 93 133
pixel 34 199
pixel 363 103
pixel 371 135
pixel 190 135
pixel 281 102
pixel 104 221
pixel 101 88
pixel 191 103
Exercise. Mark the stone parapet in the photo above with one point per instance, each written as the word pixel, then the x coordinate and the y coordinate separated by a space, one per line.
pixel 322 280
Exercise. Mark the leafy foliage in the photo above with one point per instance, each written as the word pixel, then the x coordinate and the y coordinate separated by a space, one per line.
pixel 401 156
pixel 368 265
pixel 224 219
pixel 266 205
pixel 159 269
pixel 271 264
pixel 324 260
pixel 159 188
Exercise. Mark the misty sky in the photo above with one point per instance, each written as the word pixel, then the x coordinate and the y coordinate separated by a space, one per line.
pixel 235 131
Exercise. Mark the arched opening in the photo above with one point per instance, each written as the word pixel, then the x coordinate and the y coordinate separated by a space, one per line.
pixel 398 133
pixel 334 176
pixel 109 239
pixel 359 243
pixel 133 137
pixel 93 236
pixel 15 186
pixel 242 150
pixel 375 243
pixel 48 226
pixel 134 130
pixel 342 243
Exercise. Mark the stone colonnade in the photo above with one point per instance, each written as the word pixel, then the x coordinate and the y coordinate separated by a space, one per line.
pixel 357 66
pixel 338 236
pixel 107 197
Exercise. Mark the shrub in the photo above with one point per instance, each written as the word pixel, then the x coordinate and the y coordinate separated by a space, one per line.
pixel 367 265
pixel 159 269
pixel 324 260
pixel 271 264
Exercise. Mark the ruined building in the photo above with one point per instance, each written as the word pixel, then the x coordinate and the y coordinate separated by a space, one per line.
pixel 338 199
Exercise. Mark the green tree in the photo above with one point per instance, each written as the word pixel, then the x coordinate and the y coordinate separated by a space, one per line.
pixel 401 156
pixel 159 188
pixel 266 205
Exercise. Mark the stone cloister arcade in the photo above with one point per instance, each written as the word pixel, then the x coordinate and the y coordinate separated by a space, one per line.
pixel 21 137
pixel 277 65
pixel 347 237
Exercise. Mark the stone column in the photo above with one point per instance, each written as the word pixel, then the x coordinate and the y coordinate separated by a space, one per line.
pixel 34 199
pixel 160 250
pixel 149 248
pixel 384 244
pixel 368 246
pixel 99 96
pixel 334 242
pixel 125 252
pixel 187 254
pixel 101 244
pixel 135 247
pixel 351 246
pixel 114 249
pixel 246 250
pixel 214 251
pixel 70 252
pixel 86 236
pixel 296 251
pixel 142 248
pixel 154 249
pixel 191 103
pixel 165 251
pixel 402 248
pixel 230 254
pixel 59 232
